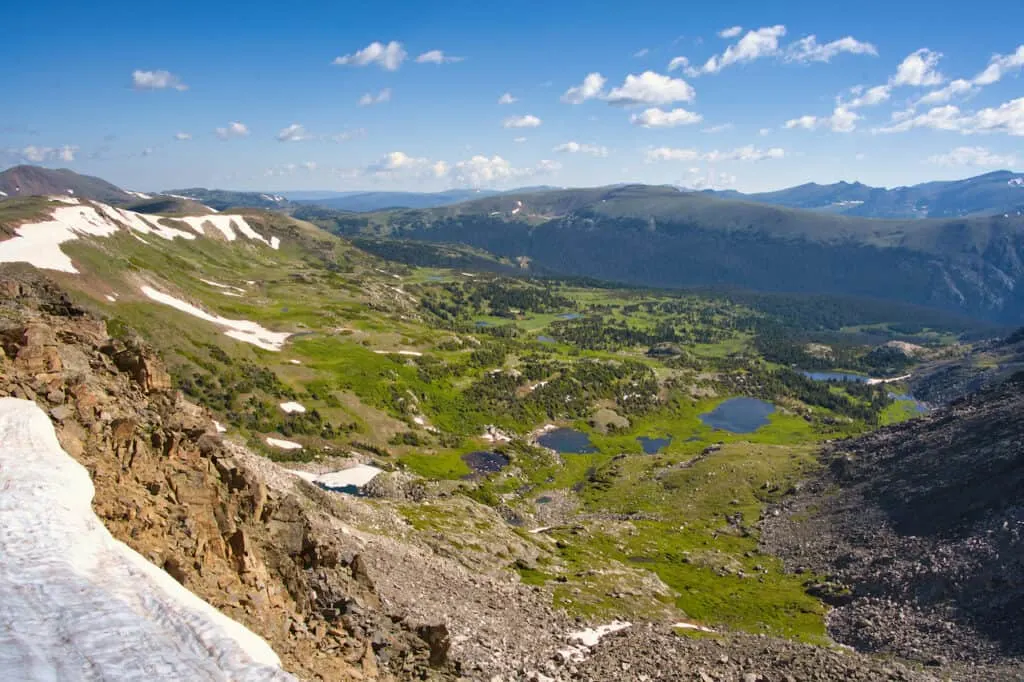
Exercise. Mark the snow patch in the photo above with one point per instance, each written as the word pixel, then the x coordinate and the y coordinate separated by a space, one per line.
pixel 139 195
pixel 3 194
pixel 295 362
pixel 228 225
pixel 110 298
pixel 80 604
pixel 220 427
pixel 143 224
pixel 240 330
pixel 292 407
pixel 692 626
pixel 357 476
pixel 224 286
pixel 413 353
pixel 38 244
pixel 283 444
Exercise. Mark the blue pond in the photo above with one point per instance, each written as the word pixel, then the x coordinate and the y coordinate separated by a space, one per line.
pixel 652 445
pixel 739 415
pixel 485 462
pixel 570 316
pixel 836 376
pixel 545 339
pixel 483 323
pixel 567 440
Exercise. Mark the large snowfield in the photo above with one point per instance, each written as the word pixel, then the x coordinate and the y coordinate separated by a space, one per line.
pixel 76 604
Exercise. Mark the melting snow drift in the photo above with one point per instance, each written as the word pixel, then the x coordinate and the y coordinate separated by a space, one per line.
pixel 39 243
pixel 292 406
pixel 358 476
pixel 240 330
pixel 283 444
pixel 80 605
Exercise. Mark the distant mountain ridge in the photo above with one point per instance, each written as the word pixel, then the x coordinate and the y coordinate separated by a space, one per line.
pixel 664 237
pixel 21 181
pixel 992 193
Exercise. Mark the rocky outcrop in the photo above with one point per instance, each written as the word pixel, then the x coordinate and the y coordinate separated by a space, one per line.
pixel 918 530
pixel 192 504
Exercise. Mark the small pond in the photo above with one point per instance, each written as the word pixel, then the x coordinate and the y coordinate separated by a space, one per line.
pixel 485 462
pixel 570 316
pixel 652 445
pixel 484 323
pixel 836 376
pixel 545 339
pixel 567 440
pixel 739 415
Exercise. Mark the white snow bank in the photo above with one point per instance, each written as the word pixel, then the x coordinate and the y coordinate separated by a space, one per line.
pixel 80 605
pixel 143 224
pixel 223 286
pixel 220 427
pixel 140 195
pixel 228 225
pixel 240 330
pixel 358 476
pixel 295 362
pixel 591 636
pixel 283 444
pixel 39 243
pixel 414 353
pixel 692 626
pixel 110 298
pixel 292 406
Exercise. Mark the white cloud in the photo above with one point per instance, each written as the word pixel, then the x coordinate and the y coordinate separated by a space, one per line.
pixel 747 153
pixel 678 63
pixel 293 133
pixel 642 52
pixel 397 161
pixel 590 88
pixel 369 99
pixel 860 156
pixel 233 129
pixel 388 57
pixel 730 32
pixel 764 132
pixel 842 120
pixel 763 42
pixel 659 118
pixel 941 96
pixel 578 148
pixel 918 69
pixel 519 140
pixel 507 98
pixel 156 80
pixel 477 171
pixel 870 97
pixel 181 137
pixel 810 50
pixel 651 88
pixel 36 154
pixel 1007 118
pixel 436 57
pixel 309 165
pixel 527 121
pixel 720 128
pixel 973 156
pixel 999 66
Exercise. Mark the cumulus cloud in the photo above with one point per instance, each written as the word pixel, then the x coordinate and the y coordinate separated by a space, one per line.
pixel 388 57
pixel 369 98
pixel 919 69
pixel 578 148
pixel 1007 118
pixel 590 88
pixel 810 50
pixel 36 154
pixel 678 63
pixel 747 153
pixel 642 52
pixel 519 140
pixel 527 121
pixel 436 57
pixel 870 97
pixel 999 66
pixel 730 32
pixel 476 171
pixel 764 132
pixel 659 118
pixel 156 80
pixel 954 88
pixel 293 133
pixel 507 98
pixel 233 129
pixel 651 88
pixel 756 44
pixel 181 137
pixel 973 156
pixel 842 120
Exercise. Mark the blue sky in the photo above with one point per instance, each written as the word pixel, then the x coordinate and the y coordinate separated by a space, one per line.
pixel 108 89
